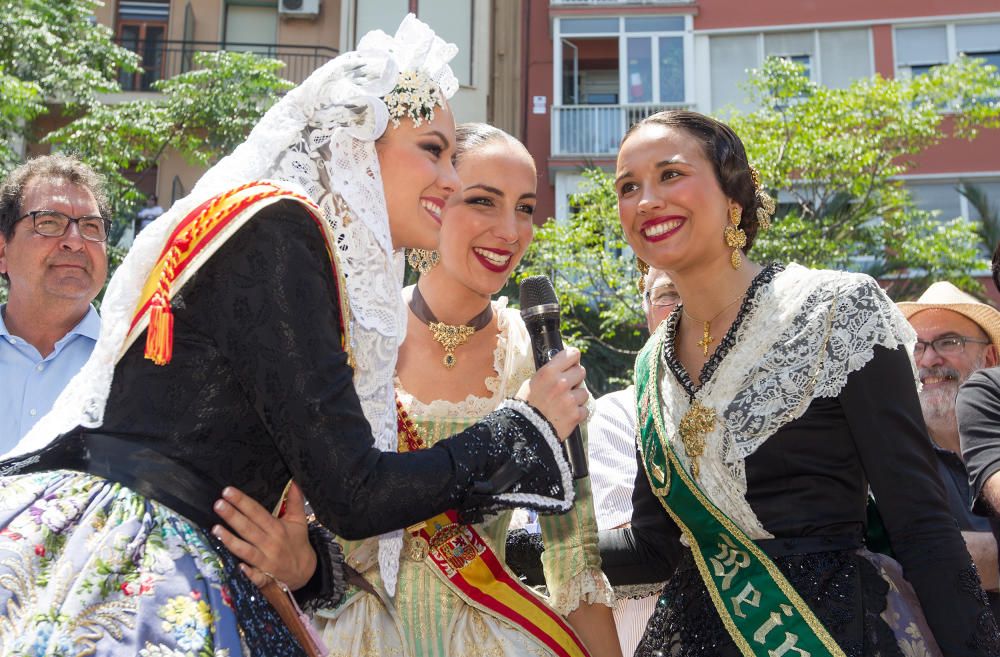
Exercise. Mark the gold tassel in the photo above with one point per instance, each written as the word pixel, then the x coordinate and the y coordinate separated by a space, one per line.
pixel 160 334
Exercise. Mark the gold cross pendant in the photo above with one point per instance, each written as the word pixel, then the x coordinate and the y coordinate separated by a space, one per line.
pixel 706 339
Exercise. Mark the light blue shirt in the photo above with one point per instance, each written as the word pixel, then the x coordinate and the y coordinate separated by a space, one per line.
pixel 32 383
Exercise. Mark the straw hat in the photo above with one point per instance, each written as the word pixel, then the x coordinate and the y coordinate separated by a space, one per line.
pixel 946 296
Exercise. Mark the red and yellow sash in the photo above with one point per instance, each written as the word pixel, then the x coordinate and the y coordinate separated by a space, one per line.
pixel 192 243
pixel 472 570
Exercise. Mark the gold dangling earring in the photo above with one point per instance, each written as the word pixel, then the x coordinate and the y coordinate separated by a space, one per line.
pixel 643 268
pixel 422 260
pixel 736 238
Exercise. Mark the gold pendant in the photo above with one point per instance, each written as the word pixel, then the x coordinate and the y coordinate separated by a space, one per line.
pixel 695 425
pixel 450 337
pixel 706 338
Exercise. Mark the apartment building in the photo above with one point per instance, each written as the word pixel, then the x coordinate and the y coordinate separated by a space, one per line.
pixel 304 34
pixel 595 66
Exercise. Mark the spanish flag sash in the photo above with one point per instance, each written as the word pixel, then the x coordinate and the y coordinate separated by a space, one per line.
pixel 763 613
pixel 469 567
pixel 193 241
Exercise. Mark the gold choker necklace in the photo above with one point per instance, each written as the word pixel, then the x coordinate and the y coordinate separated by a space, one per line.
pixel 706 338
pixel 449 336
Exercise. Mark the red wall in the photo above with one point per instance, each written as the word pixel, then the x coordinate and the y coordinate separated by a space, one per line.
pixel 537 127
pixel 715 14
pixel 958 155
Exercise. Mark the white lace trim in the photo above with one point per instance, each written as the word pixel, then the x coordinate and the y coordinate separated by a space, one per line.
pixel 512 363
pixel 318 139
pixel 638 591
pixel 589 586
pixel 827 325
pixel 532 499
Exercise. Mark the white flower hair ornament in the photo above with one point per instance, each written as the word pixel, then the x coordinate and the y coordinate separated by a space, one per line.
pixel 415 96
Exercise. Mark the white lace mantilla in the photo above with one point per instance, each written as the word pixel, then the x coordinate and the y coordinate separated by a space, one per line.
pixel 319 139
pixel 827 325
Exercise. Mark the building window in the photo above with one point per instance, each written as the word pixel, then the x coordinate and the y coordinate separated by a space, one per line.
pixel 251 28
pixel 980 40
pixel 943 197
pixel 919 49
pixel 610 72
pixel 638 60
pixel 833 58
pixel 640 70
pixel 588 25
pixel 142 28
pixel 798 47
pixel 453 21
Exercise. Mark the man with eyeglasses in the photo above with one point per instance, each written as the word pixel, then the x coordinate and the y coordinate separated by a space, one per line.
pixel 613 467
pixel 957 335
pixel 53 255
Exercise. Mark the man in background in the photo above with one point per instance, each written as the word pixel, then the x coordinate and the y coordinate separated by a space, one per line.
pixel 613 466
pixel 53 255
pixel 957 335
pixel 148 214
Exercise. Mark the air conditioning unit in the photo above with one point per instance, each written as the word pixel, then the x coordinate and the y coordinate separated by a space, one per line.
pixel 298 8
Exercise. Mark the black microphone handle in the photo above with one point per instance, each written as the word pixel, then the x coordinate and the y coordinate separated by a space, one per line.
pixel 546 342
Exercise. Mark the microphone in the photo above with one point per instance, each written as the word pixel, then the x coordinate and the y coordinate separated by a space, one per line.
pixel 540 312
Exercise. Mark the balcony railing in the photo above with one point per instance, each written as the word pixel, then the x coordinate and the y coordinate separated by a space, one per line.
pixel 596 130
pixel 165 59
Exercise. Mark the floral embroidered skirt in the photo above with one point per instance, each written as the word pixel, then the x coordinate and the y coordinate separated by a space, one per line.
pixel 89 567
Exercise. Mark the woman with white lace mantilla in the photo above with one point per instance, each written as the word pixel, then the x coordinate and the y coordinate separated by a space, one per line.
pixel 250 337
pixel 768 403
pixel 464 354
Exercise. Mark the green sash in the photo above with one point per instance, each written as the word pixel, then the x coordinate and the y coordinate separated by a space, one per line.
pixel 760 609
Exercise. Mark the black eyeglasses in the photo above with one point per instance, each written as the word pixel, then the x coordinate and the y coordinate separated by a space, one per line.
pixel 949 345
pixel 50 223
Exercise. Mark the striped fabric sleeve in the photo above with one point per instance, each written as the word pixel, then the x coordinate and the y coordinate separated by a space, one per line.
pixel 611 449
pixel 571 560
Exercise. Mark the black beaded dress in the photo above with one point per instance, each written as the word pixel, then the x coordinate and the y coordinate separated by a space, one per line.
pixel 807 481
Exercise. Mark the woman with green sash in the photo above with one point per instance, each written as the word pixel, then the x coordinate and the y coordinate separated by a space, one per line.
pixel 769 403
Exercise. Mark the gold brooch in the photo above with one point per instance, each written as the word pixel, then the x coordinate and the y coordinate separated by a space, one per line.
pixel 451 337
pixel 695 425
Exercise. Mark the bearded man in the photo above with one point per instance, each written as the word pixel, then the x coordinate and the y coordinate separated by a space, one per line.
pixel 957 335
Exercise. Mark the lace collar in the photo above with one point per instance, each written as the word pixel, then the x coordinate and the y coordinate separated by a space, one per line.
pixel 798 338
pixel 765 276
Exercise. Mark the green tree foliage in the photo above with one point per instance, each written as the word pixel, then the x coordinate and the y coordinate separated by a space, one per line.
pixel 57 45
pixel 202 114
pixel 51 51
pixel 593 271
pixel 832 157
pixel 20 103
